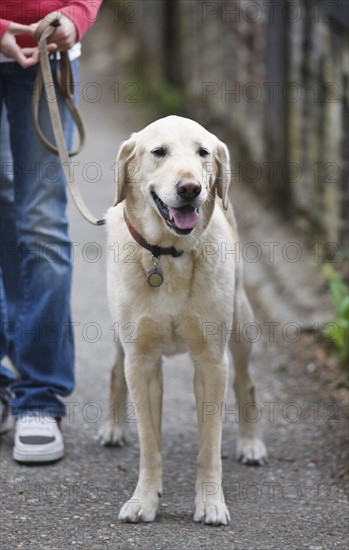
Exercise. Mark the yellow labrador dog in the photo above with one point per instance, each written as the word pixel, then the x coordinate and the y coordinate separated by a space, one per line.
pixel 175 287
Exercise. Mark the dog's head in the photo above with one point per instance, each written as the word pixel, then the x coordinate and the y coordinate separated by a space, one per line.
pixel 175 167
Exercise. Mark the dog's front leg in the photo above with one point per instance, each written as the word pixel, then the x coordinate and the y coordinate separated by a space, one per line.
pixel 210 382
pixel 144 380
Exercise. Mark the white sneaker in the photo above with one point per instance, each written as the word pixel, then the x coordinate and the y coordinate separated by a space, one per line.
pixel 38 438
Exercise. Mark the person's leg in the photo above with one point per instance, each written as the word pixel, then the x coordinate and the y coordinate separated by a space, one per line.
pixel 7 377
pixel 43 342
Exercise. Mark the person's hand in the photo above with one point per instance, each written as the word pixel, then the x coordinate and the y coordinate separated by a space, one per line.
pixel 65 36
pixel 8 45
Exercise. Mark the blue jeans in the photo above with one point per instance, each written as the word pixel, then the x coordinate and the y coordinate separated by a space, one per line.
pixel 35 254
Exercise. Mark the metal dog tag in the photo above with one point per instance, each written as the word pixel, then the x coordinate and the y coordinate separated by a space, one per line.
pixel 155 277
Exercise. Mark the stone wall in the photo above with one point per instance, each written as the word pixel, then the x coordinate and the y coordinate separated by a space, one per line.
pixel 271 77
pixel 317 124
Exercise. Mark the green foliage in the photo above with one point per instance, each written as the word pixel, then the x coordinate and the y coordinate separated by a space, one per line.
pixel 338 331
pixel 164 97
pixel 170 98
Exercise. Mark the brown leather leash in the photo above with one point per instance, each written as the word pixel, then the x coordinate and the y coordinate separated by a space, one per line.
pixel 44 79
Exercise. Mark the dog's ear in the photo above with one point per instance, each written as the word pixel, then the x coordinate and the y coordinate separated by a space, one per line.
pixel 224 173
pixel 126 152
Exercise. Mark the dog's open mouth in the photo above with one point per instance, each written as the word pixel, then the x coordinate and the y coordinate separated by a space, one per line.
pixel 182 220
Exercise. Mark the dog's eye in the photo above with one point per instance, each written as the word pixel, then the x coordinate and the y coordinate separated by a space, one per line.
pixel 203 152
pixel 159 151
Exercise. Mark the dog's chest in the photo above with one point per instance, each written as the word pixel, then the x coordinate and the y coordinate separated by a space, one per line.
pixel 177 275
pixel 171 318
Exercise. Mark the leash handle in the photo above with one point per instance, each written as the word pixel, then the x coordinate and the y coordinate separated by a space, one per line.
pixel 45 29
pixel 47 26
pixel 44 78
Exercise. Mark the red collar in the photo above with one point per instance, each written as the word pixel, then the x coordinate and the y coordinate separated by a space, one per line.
pixel 154 249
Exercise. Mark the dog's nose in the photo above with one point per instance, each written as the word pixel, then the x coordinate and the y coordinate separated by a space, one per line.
pixel 188 189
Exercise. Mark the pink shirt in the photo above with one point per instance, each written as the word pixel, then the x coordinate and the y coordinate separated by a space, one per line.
pixel 82 12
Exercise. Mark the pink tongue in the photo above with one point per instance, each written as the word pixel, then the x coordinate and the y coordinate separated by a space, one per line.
pixel 185 217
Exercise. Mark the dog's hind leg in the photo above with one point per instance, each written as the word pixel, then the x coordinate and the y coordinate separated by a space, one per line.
pixel 112 432
pixel 250 447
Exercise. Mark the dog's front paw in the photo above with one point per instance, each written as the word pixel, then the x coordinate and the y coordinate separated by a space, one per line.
pixel 212 513
pixel 251 451
pixel 111 434
pixel 140 508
